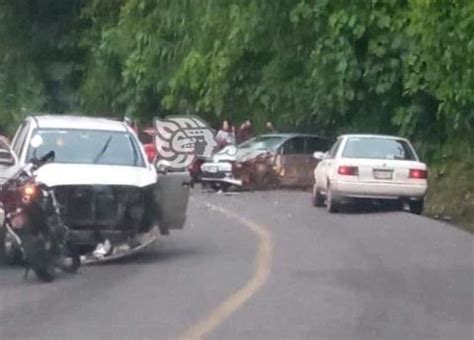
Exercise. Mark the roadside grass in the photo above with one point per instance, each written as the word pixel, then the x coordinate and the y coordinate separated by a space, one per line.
pixel 451 193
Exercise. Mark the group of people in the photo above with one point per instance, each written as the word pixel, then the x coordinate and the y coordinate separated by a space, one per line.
pixel 229 134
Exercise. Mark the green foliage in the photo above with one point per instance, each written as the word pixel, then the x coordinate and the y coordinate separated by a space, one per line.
pixel 440 62
pixel 39 60
pixel 386 66
pixel 451 193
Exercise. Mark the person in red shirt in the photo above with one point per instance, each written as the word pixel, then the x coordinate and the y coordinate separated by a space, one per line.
pixel 245 132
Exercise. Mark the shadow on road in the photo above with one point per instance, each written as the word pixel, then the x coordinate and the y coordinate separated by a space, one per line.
pixel 368 207
pixel 153 256
pixel 13 275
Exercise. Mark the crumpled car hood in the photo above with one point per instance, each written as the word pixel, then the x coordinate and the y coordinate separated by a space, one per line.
pixel 224 155
pixel 56 174
pixel 242 155
pixel 247 154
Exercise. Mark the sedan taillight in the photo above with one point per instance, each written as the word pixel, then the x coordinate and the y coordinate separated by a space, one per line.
pixel 418 174
pixel 348 170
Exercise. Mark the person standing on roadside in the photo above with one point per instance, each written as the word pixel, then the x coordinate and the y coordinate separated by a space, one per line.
pixel 224 135
pixel 233 135
pixel 245 132
pixel 270 128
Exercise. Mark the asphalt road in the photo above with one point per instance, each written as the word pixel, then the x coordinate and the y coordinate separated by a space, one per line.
pixel 263 265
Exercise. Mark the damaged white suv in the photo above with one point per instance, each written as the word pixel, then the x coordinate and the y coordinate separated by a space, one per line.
pixel 102 178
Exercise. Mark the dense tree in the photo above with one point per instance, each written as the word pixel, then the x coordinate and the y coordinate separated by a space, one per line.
pixel 327 66
pixel 40 63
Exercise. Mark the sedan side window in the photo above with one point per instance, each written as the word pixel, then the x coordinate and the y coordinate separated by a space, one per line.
pixel 316 144
pixel 294 146
pixel 332 153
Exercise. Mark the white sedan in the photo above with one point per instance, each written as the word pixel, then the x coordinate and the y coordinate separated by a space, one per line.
pixel 370 167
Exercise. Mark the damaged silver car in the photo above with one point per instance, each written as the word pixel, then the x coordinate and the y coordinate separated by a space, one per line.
pixel 266 162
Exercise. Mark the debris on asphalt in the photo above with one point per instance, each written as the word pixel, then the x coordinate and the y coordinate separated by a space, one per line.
pixel 103 249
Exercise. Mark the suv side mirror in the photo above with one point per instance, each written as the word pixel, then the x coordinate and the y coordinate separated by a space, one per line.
pixel 7 158
pixel 162 166
pixel 319 155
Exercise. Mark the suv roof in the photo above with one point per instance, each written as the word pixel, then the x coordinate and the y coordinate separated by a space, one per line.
pixel 77 122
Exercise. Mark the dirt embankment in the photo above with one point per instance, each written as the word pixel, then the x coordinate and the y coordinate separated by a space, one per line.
pixel 451 193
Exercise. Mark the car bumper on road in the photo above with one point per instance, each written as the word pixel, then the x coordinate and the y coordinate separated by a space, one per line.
pixel 222 179
pixel 219 172
pixel 376 190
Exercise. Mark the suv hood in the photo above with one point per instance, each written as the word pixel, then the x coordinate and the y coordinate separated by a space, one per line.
pixel 56 174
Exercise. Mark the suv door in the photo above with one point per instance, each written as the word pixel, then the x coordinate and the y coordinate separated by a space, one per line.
pixel 172 196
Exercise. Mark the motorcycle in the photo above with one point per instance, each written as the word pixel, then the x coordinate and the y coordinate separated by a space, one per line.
pixel 34 231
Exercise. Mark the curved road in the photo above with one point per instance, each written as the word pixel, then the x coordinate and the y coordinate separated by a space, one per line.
pixel 263 265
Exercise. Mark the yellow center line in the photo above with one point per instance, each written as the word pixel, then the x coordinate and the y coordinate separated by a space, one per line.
pixel 262 265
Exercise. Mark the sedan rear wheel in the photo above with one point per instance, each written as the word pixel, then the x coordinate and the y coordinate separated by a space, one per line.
pixel 416 207
pixel 317 198
pixel 332 204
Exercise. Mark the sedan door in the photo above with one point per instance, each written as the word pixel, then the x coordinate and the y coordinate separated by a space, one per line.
pixel 324 168
pixel 313 144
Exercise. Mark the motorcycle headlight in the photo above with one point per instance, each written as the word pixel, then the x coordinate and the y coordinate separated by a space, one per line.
pixel 29 191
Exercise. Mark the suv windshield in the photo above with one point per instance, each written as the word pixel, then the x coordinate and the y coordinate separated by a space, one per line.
pixel 89 147
pixel 378 148
pixel 263 143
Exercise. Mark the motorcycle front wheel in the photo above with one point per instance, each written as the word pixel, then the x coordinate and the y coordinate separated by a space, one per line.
pixel 45 273
pixel 38 258
pixel 69 260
